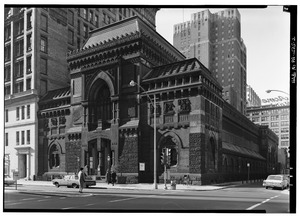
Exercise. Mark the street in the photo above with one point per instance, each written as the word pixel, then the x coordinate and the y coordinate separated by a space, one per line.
pixel 251 197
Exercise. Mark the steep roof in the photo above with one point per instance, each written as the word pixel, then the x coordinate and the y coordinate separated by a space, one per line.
pixel 174 69
pixel 123 29
pixel 56 94
pixel 179 69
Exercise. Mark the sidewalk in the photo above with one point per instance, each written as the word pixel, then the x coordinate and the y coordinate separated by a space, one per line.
pixel 141 186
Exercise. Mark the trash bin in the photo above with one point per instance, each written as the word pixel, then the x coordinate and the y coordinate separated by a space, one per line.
pixel 173 185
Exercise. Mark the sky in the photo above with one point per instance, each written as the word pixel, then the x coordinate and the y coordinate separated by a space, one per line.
pixel 266 34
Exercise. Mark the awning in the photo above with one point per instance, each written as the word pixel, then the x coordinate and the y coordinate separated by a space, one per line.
pixel 241 150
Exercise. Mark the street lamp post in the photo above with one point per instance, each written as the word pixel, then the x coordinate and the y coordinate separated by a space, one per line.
pixel 248 165
pixel 268 91
pixel 132 83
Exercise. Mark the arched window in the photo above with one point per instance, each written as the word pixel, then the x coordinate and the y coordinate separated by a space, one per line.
pixel 211 154
pixel 54 157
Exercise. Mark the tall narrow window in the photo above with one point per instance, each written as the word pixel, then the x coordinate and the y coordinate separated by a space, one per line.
pixel 6 115
pixel 6 139
pixel 96 21
pixel 28 84
pixel 7 73
pixel 86 31
pixel 43 66
pixel 44 88
pixel 7 90
pixel 18 113
pixel 23 112
pixel 28 111
pixel 29 20
pixel 44 22
pixel 28 136
pixel 28 63
pixel 85 12
pixel 29 42
pixel 44 44
pixel 71 18
pixel 70 37
pixel 7 32
pixel 23 138
pixel 18 138
pixel 54 157
pixel 7 53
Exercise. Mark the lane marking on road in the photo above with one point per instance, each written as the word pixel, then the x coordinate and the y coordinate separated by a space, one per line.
pixel 90 204
pixel 131 198
pixel 258 204
pixel 29 199
pixel 67 208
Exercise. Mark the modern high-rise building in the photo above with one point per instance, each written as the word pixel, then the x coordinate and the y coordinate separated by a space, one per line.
pixel 35 47
pixel 252 98
pixel 215 39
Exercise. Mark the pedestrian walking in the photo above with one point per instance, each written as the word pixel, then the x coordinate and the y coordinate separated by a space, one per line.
pixel 108 176
pixel 81 179
pixel 113 177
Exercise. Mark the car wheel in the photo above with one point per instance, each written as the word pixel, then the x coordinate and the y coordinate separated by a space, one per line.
pixel 74 185
pixel 56 184
pixel 267 187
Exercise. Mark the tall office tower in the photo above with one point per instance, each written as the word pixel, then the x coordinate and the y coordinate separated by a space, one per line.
pixel 35 47
pixel 252 98
pixel 215 39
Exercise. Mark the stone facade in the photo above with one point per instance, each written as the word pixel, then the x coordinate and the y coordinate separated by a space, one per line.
pixel 110 123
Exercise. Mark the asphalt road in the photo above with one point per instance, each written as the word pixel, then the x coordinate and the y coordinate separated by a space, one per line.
pixel 237 199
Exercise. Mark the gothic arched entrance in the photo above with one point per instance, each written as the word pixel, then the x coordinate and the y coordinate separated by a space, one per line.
pixel 100 105
pixel 99 155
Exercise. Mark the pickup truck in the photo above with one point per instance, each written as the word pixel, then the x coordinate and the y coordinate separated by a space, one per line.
pixel 72 181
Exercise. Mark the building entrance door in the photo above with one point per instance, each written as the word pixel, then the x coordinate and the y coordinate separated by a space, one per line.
pixel 106 156
pixel 22 165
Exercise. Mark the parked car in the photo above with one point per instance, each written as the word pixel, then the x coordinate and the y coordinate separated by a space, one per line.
pixel 72 181
pixel 8 181
pixel 276 181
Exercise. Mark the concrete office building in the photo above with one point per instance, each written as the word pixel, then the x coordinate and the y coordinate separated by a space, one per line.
pixel 36 43
pixel 215 39
pixel 277 118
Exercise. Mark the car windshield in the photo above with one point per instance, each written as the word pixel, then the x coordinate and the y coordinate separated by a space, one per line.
pixel 274 177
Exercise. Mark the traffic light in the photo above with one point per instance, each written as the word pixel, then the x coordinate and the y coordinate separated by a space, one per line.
pixel 168 155
pixel 163 157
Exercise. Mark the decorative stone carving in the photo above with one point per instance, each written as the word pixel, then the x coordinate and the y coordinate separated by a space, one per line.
pixel 169 107
pixel 62 120
pixel 54 122
pixel 185 105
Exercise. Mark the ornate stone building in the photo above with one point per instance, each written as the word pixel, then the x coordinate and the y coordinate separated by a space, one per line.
pixel 110 124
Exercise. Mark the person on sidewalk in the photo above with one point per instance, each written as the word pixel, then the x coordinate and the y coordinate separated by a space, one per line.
pixel 108 176
pixel 81 179
pixel 113 177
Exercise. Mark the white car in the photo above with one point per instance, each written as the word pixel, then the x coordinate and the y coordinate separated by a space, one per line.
pixel 276 181
pixel 8 181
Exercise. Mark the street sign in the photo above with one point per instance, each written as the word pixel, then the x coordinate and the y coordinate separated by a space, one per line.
pixel 142 166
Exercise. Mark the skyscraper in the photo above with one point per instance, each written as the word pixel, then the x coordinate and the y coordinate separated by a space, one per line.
pixel 35 47
pixel 215 39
